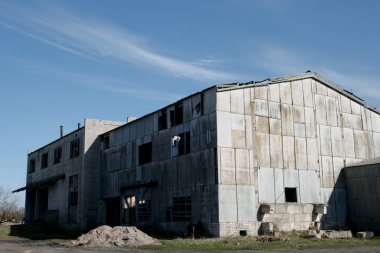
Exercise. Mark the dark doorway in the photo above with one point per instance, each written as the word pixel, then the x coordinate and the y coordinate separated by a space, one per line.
pixel 31 206
pixel 43 200
pixel 113 212
pixel 130 202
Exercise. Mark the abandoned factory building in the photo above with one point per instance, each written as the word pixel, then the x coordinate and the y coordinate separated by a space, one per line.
pixel 235 159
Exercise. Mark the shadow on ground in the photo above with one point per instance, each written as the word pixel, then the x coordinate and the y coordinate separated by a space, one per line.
pixel 40 232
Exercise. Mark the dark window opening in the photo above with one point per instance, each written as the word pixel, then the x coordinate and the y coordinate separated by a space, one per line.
pixel 74 148
pixel 162 121
pixel 106 142
pixel 243 232
pixel 184 143
pixel 58 155
pixel 144 210
pixel 73 190
pixel 178 114
pixel 145 153
pixel 181 209
pixel 291 195
pixel 44 160
pixel 32 166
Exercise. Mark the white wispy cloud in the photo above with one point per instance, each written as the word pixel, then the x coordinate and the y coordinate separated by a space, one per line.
pixel 67 31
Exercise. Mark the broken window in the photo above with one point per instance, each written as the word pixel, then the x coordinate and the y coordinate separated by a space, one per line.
pixel 291 195
pixel 44 160
pixel 32 166
pixel 73 190
pixel 181 209
pixel 106 142
pixel 162 120
pixel 74 148
pixel 144 210
pixel 176 115
pixel 145 153
pixel 58 155
pixel 184 143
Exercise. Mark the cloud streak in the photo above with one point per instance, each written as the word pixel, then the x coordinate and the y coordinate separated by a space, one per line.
pixel 97 39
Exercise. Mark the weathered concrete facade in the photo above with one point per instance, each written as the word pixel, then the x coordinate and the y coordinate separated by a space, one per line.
pixel 234 159
pixel 61 186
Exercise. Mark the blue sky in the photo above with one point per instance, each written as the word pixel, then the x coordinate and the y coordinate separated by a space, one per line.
pixel 63 61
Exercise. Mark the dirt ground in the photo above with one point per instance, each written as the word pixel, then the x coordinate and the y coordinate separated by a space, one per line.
pixel 27 246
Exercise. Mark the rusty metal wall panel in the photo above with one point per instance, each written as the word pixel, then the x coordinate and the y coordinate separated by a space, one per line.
pixel 262 150
pixel 266 185
pixel 287 120
pixel 288 152
pixel 301 153
pixel 261 93
pixel 366 118
pixel 227 166
pixel 325 140
pixel 224 129
pixel 262 124
pixel 261 107
pixel 242 166
pixel 279 185
pixel 286 93
pixel 297 93
pixel 299 114
pixel 349 146
pixel 331 107
pixel 275 126
pixel 237 101
pixel 320 108
pixel 276 160
pixel 248 131
pixel 337 142
pixel 247 102
pixel 274 92
pixel 361 144
pixel 312 154
pixel 274 110
pixel 307 93
pixel 309 187
pixel 327 171
pixel 310 123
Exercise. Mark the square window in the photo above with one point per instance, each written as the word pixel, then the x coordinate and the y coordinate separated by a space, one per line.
pixel 44 160
pixel 74 148
pixel 58 155
pixel 145 153
pixel 73 190
pixel 32 166
pixel 291 195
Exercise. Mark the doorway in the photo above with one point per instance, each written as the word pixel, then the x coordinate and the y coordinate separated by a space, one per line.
pixel 113 211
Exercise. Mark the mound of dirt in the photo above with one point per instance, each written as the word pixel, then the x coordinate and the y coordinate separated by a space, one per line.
pixel 106 236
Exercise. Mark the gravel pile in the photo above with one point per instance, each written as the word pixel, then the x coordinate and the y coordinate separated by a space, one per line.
pixel 106 236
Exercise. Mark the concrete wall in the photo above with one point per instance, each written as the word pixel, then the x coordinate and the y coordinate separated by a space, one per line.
pixel 191 174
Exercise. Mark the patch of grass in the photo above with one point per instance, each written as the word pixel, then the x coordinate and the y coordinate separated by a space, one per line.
pixel 4 231
pixel 253 243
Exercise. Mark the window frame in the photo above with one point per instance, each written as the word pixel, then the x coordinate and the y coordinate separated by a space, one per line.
pixel 75 149
pixel 58 151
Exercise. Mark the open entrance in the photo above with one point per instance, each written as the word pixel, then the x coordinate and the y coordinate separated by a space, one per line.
pixel 130 210
pixel 113 211
pixel 31 205
pixel 43 200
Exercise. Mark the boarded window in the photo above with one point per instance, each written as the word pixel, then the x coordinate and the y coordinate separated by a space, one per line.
pixel 145 153
pixel 74 148
pixel 184 143
pixel 181 209
pixel 32 166
pixel 144 210
pixel 44 160
pixel 73 190
pixel 58 155
pixel 291 195
pixel 162 120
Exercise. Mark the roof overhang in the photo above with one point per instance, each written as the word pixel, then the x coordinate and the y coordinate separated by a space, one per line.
pixel 41 184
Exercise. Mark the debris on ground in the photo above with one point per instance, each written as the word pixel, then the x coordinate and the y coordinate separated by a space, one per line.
pixel 106 236
pixel 365 235
pixel 331 234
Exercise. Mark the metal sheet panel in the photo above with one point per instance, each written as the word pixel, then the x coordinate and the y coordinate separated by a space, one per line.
pixel 286 93
pixel 242 166
pixel 223 101
pixel 227 166
pixel 349 146
pixel 276 151
pixel 261 92
pixel 237 101
pixel 337 142
pixel 297 93
pixel 288 152
pixel 321 88
pixel 361 144
pixel 291 178
pixel 274 110
pixel 299 114
pixel 248 131
pixel 307 92
pixel 275 126
pixel 287 120
pixel 332 116
pixel 310 122
pixel 274 92
pixel 279 185
pixel 209 101
pixel 196 103
pixel 300 130
pixel 338 163
pixel 376 144
pixel 301 153
pixel 187 110
pixel 340 204
pixel 266 185
pixel 262 150
pixel 327 171
pixel 312 154
pixel 320 109
pixel 375 122
pixel 237 122
pixel 345 104
pixel 247 101
pixel 227 203
pixel 366 118
pixel 246 203
pixel 261 107
pixel 355 108
pixel 224 129
pixel 325 140
pixel 309 187
pixel 262 124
